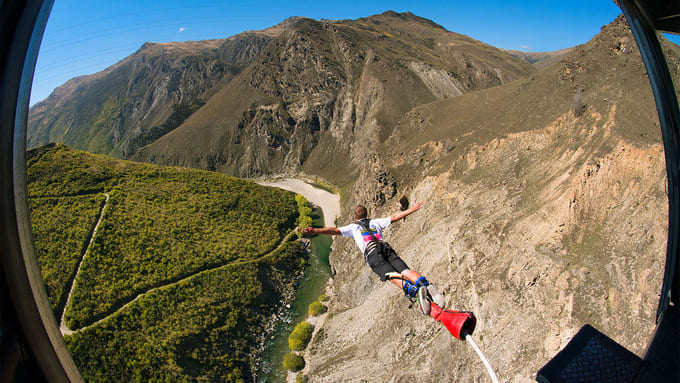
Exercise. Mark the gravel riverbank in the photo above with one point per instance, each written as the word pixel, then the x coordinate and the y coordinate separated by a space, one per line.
pixel 327 201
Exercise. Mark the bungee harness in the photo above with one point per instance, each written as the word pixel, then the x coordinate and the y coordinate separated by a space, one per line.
pixel 375 244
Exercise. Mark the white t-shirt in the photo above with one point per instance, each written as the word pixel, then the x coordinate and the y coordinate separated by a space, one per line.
pixel 361 236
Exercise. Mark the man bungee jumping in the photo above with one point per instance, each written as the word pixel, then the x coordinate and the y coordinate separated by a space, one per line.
pixel 382 259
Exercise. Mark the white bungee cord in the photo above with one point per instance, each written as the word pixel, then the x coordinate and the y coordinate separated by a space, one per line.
pixel 492 374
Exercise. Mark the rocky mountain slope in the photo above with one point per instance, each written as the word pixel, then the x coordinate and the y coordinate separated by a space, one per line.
pixel 143 96
pixel 540 59
pixel 325 93
pixel 273 99
pixel 545 209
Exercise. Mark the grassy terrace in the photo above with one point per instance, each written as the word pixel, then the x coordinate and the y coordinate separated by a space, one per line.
pixel 207 248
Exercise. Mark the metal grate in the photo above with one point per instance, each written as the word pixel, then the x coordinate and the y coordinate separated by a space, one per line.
pixel 591 357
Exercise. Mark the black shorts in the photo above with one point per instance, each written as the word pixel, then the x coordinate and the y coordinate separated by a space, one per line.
pixel 386 261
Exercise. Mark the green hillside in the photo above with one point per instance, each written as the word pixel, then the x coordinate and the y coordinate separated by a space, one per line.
pixel 181 272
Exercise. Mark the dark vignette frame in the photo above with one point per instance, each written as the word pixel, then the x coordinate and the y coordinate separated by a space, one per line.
pixel 28 330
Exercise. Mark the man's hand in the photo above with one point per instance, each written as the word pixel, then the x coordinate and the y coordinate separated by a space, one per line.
pixel 416 206
pixel 325 230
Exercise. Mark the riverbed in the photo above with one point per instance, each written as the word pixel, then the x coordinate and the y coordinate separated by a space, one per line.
pixel 312 284
pixel 324 199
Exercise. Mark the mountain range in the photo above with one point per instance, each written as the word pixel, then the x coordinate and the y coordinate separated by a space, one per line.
pixel 291 89
pixel 544 181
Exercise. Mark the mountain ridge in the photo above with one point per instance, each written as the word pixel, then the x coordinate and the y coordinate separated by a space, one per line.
pixel 105 112
pixel 540 59
pixel 122 137
pixel 319 70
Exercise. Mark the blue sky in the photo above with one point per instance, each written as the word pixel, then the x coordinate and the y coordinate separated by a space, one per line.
pixel 84 37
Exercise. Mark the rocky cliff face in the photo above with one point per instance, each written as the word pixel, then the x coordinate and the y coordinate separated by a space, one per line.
pixel 556 237
pixel 538 224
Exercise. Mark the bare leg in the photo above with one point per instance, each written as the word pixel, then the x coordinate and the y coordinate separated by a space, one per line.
pixel 398 282
pixel 409 275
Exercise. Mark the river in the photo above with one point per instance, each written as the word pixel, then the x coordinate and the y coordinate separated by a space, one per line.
pixel 311 286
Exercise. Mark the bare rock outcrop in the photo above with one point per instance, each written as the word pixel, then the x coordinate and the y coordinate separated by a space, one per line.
pixel 535 236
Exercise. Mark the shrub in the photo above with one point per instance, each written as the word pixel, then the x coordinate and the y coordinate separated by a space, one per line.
pixel 300 336
pixel 429 43
pixel 304 210
pixel 323 298
pixel 316 309
pixel 293 362
pixel 301 379
pixel 579 106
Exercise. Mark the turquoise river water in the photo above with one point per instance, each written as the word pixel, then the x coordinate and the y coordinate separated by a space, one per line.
pixel 311 287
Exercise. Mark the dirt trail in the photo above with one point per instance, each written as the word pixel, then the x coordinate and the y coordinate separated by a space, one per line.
pixel 62 325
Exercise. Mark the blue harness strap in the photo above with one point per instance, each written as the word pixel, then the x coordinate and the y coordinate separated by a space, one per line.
pixel 409 289
pixel 422 281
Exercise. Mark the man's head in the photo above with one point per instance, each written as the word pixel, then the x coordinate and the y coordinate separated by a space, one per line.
pixel 360 212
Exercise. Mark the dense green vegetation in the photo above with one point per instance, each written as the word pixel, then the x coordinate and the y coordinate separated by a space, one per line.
pixel 293 362
pixel 60 251
pixel 198 329
pixel 301 335
pixel 197 259
pixel 305 219
pixel 58 171
pixel 316 309
pixel 165 225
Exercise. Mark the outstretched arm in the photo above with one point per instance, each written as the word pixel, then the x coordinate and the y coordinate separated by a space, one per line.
pixel 402 214
pixel 325 230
